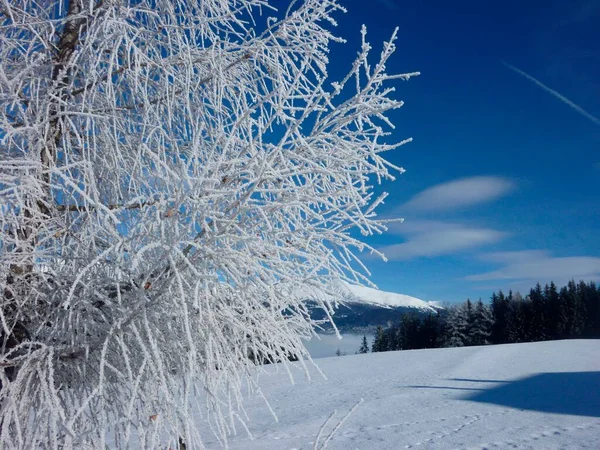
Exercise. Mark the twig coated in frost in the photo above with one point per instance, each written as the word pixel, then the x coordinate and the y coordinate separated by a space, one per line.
pixel 174 177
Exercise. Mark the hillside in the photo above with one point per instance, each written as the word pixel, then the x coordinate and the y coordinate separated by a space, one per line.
pixel 363 308
pixel 535 395
pixel 370 296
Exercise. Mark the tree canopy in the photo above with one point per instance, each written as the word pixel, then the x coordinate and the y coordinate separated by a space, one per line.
pixel 173 174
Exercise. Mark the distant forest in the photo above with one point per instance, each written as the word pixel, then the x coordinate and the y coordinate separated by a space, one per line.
pixel 545 314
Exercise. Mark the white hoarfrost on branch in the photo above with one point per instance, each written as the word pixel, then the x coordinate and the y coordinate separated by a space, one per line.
pixel 171 172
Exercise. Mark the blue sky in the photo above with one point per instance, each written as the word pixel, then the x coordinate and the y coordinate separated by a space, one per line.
pixel 503 176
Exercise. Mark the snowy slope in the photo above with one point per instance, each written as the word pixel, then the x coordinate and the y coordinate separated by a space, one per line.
pixel 527 396
pixel 352 293
pixel 366 295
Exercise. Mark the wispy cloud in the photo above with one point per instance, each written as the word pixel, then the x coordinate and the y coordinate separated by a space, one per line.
pixel 510 257
pixel 551 91
pixel 459 193
pixel 431 238
pixel 539 266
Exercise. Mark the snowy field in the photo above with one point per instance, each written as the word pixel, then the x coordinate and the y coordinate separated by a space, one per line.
pixel 541 395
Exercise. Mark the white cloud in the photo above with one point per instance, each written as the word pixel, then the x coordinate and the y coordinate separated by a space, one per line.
pixel 431 238
pixel 460 193
pixel 540 266
pixel 428 238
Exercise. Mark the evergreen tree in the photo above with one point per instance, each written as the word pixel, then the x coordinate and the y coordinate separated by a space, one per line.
pixel 590 297
pixel 413 332
pixel 429 332
pixel 500 318
pixel 517 322
pixel 380 342
pixel 512 320
pixel 556 318
pixel 456 327
pixel 546 313
pixel 576 313
pixel 539 314
pixel 364 346
pixel 468 306
pixel 396 341
pixel 409 331
pixel 481 325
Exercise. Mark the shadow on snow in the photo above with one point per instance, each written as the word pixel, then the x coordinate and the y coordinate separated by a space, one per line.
pixel 574 393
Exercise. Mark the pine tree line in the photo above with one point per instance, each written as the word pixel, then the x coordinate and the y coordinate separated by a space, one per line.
pixel 545 314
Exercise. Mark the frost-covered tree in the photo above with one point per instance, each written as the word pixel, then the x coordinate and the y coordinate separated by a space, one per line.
pixel 172 175
pixel 481 325
pixel 457 324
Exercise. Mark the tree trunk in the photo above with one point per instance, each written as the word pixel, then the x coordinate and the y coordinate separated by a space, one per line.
pixel 38 210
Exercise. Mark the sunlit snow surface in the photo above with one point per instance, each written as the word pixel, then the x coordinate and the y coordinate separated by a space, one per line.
pixel 539 395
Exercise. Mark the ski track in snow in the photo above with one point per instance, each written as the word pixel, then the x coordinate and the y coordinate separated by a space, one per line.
pixel 418 400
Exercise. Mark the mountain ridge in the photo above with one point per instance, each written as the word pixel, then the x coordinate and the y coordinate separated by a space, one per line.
pixel 371 296
pixel 362 309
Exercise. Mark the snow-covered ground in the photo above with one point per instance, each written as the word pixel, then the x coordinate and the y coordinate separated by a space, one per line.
pixel 541 395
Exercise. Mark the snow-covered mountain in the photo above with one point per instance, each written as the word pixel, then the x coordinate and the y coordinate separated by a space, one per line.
pixel 362 309
pixel 370 296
